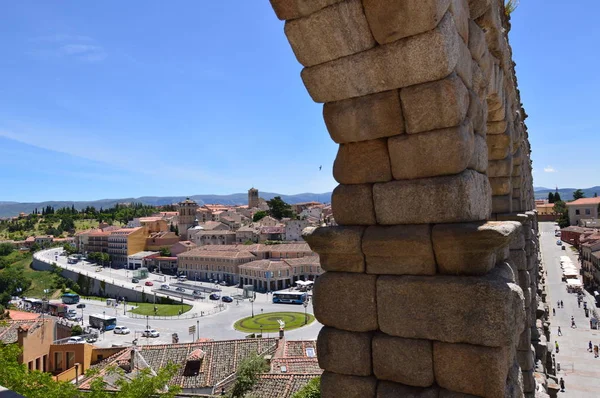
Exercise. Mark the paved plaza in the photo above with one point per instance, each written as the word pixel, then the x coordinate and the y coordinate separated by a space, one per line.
pixel 578 367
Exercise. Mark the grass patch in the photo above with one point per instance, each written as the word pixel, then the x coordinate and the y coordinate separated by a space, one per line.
pixel 40 280
pixel 163 309
pixel 269 324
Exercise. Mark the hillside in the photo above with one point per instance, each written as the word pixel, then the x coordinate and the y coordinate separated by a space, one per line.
pixel 565 193
pixel 10 209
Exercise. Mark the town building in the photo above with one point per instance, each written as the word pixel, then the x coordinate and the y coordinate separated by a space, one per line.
pixel 97 242
pixel 589 251
pixel 273 275
pixel 583 208
pixel 124 242
pixel 187 217
pixel 44 240
pixel 161 240
pixel 213 265
pixel 34 336
pixel 272 233
pixel 138 260
pixel 181 247
pixel 204 238
pixel 294 228
pixel 247 234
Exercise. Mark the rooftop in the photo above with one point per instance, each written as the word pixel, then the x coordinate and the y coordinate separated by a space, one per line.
pixel 216 254
pixel 141 255
pixel 584 201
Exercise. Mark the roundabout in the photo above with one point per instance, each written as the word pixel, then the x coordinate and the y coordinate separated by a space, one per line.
pixel 269 322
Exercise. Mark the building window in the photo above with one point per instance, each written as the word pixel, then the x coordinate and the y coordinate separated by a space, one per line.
pixel 588 212
pixel 70 359
pixel 58 359
pixel 576 211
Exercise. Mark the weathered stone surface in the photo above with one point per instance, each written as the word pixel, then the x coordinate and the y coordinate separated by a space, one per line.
pixel 406 361
pixel 518 242
pixel 464 66
pixel 290 9
pixel 460 12
pixel 353 204
pixel 479 160
pixel 362 162
pixel 524 280
pixel 477 43
pixel 490 302
pixel 338 247
pixel 462 197
pixel 343 352
pixel 417 59
pixel 453 394
pixel 496 127
pixel 330 33
pixel 470 248
pixel 471 369
pixel 526 359
pixel 435 105
pixel 435 153
pixel 519 258
pixel 528 381
pixel 502 204
pixel 478 7
pixel 364 118
pixel 388 389
pixel 399 250
pixel 499 146
pixel 514 382
pixel 497 114
pixel 525 339
pixel 477 114
pixel 334 385
pixel 501 186
pixel 336 305
pixel 500 168
pixel 392 20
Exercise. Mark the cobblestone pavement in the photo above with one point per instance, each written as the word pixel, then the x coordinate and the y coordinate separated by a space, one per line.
pixel 578 367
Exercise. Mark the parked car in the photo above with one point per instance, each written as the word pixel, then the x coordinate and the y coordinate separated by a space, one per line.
pixel 91 339
pixel 135 280
pixel 164 286
pixel 150 333
pixel 75 340
pixel 197 292
pixel 199 296
pixel 81 305
pixel 214 296
pixel 227 299
pixel 180 289
pixel 182 278
pixel 121 330
pixel 559 242
pixel 149 283
pixel 223 283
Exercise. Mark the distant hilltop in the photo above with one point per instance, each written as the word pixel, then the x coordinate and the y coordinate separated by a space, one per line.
pixel 11 209
pixel 565 193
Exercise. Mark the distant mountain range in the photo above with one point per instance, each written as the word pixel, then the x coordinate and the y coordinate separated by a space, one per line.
pixel 10 209
pixel 565 193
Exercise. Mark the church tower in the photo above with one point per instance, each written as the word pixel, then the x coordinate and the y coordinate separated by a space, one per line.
pixel 252 198
pixel 187 216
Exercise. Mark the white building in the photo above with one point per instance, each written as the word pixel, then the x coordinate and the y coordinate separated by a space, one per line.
pixel 293 229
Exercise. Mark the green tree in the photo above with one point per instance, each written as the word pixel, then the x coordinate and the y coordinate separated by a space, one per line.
pixel 557 197
pixel 550 197
pixel 76 330
pixel 311 390
pixel 247 375
pixel 69 249
pixel 259 215
pixel 578 194
pixel 165 252
pixel 560 208
pixel 279 209
pixel 6 249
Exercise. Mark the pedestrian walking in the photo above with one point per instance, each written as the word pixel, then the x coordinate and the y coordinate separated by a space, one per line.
pixel 562 384
pixel 554 311
pixel 559 331
pixel 573 326
pixel 562 305
pixel 578 303
pixel 557 347
pixel 596 351
pixel 558 304
pixel 590 346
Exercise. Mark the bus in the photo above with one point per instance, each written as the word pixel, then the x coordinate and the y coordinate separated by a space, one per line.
pixel 289 297
pixel 103 322
pixel 70 298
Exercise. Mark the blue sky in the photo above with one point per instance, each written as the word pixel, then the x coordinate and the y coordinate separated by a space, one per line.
pixel 121 99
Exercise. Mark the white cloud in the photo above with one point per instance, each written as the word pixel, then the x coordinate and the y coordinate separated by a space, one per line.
pixel 549 169
pixel 82 48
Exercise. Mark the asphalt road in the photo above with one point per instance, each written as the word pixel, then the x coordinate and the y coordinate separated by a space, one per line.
pixel 217 326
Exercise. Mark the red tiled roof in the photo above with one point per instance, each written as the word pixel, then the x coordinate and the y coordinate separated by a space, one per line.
pixel 584 201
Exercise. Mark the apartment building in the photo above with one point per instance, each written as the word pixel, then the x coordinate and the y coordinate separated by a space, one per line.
pixel 273 275
pixel 125 242
pixel 294 228
pixel 198 264
pixel 160 240
pixel 583 208
pixel 97 241
pixel 204 238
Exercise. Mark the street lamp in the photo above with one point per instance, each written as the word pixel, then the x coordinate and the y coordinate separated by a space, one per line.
pixel 147 326
pixel 305 304
pixel 77 374
pixel 252 302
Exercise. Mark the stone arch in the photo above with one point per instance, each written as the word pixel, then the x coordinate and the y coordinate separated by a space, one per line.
pixel 431 274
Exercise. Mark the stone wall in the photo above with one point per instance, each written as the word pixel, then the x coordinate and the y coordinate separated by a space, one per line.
pixel 431 282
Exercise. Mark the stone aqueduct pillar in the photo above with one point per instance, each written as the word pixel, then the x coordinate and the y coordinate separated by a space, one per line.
pixel 431 275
